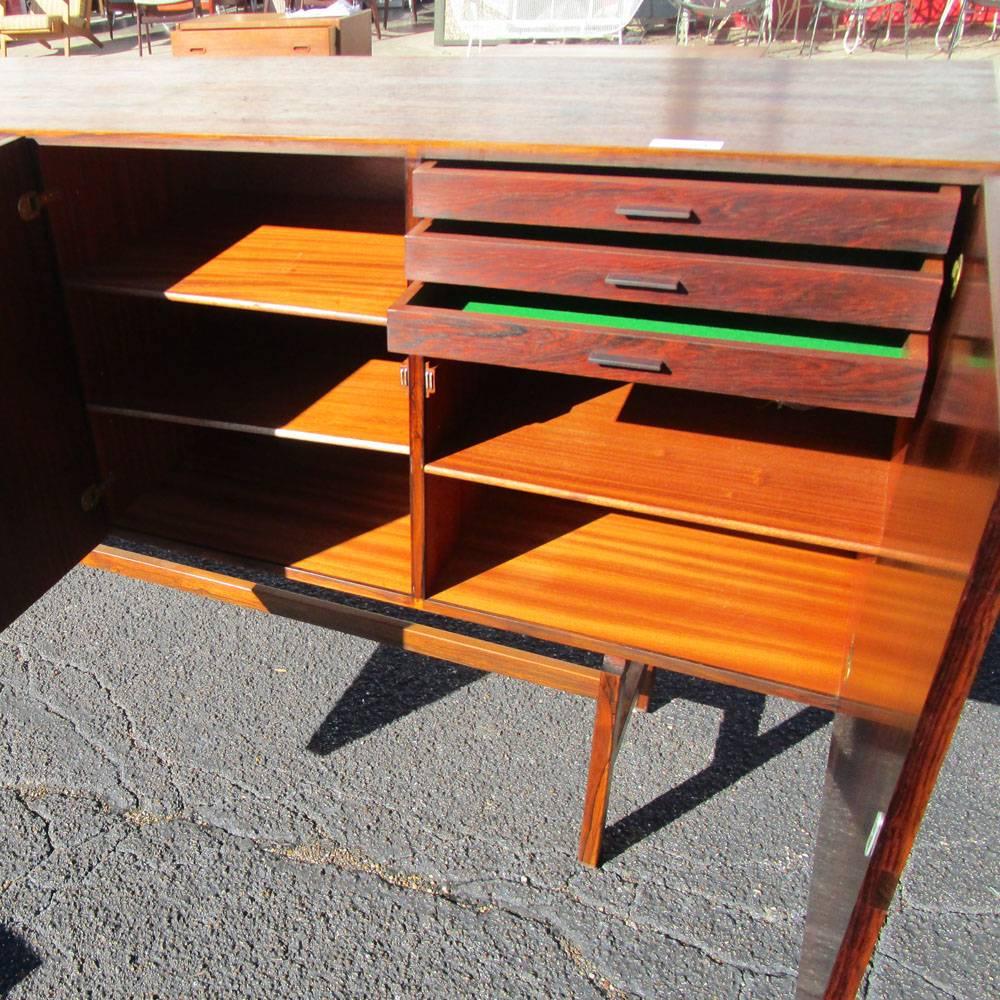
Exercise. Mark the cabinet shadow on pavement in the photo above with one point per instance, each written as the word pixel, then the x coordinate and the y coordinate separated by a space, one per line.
pixel 986 687
pixel 17 960
pixel 391 685
pixel 739 749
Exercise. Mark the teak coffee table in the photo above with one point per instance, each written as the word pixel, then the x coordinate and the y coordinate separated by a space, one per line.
pixel 695 383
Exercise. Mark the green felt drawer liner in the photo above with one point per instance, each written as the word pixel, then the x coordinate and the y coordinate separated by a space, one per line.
pixel 686 329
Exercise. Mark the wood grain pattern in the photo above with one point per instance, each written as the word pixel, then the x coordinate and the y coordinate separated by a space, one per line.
pixel 420 639
pixel 330 274
pixel 363 408
pixel 817 477
pixel 334 511
pixel 245 35
pixel 753 607
pixel 302 39
pixel 916 221
pixel 974 625
pixel 48 460
pixel 943 501
pixel 867 296
pixel 805 118
pixel 889 386
pixel 109 200
pixel 620 686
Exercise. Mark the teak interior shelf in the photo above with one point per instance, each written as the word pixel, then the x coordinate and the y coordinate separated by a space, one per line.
pixel 731 412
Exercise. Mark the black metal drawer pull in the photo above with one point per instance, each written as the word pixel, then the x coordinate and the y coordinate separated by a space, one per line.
pixel 644 284
pixel 651 212
pixel 606 360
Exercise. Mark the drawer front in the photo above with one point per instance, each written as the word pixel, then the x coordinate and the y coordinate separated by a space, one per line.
pixel 292 40
pixel 794 375
pixel 865 296
pixel 879 219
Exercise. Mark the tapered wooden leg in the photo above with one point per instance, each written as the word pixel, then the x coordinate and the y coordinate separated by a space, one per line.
pixel 645 689
pixel 620 687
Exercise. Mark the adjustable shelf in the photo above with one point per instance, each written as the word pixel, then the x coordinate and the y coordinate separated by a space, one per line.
pixel 818 477
pixel 241 260
pixel 330 383
pixel 770 611
pixel 341 513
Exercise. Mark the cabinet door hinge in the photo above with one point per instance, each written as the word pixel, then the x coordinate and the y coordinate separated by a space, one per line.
pixel 31 203
pixel 430 379
pixel 956 274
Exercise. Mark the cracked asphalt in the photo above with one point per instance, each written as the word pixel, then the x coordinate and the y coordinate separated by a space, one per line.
pixel 201 801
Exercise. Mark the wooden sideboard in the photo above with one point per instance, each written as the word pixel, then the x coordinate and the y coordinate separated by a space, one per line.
pixel 601 352
pixel 245 35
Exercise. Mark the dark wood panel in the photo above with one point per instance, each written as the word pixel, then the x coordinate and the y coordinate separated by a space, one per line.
pixel 919 221
pixel 48 462
pixel 250 372
pixel 106 200
pixel 943 500
pixel 338 512
pixel 889 386
pixel 867 296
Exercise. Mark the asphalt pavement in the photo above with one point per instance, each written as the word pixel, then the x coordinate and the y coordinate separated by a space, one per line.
pixel 201 801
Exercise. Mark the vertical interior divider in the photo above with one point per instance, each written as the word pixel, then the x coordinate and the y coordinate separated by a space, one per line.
pixel 438 506
pixel 414 368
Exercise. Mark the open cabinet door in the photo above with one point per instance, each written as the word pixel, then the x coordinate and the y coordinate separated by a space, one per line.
pixel 920 633
pixel 47 462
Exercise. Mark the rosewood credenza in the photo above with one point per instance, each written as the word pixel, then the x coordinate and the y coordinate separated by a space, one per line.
pixel 694 370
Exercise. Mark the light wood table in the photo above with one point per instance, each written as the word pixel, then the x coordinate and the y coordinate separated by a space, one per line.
pixel 274 35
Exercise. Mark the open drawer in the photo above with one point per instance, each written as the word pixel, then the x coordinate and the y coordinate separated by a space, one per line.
pixel 842 287
pixel 854 368
pixel 916 219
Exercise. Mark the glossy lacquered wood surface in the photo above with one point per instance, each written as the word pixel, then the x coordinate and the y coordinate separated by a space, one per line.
pixel 916 221
pixel 363 409
pixel 293 270
pixel 313 381
pixel 918 640
pixel 754 607
pixel 513 108
pixel 820 477
pixel 890 386
pixel 798 289
pixel 341 513
pixel 421 639
pixel 47 462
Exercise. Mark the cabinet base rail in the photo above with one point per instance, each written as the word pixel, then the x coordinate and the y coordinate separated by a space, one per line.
pixel 618 686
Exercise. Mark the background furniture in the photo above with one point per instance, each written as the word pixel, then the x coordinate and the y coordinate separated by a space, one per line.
pixel 723 403
pixel 757 15
pixel 150 12
pixel 58 20
pixel 959 27
pixel 857 12
pixel 495 20
pixel 274 35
